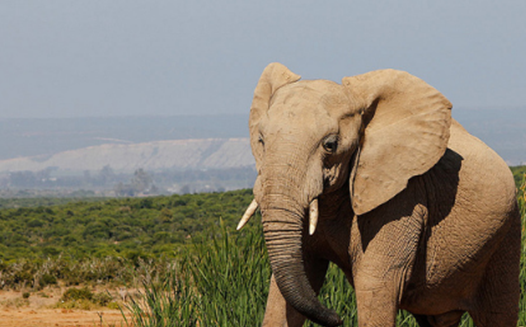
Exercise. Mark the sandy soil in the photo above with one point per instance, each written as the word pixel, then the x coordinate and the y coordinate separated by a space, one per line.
pixel 59 318
pixel 38 310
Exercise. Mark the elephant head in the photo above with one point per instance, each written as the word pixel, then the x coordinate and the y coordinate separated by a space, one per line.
pixel 309 138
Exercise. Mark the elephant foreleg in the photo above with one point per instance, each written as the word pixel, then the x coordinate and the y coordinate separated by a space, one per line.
pixel 278 312
pixel 384 246
pixel 376 306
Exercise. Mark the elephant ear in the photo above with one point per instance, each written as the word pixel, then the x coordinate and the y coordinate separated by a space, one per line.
pixel 406 131
pixel 274 76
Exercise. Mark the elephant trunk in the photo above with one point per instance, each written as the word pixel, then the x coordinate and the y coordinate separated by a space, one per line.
pixel 284 227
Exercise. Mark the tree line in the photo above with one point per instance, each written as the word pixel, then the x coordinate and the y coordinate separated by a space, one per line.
pixel 107 182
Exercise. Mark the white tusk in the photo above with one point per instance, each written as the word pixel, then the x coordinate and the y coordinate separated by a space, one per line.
pixel 249 213
pixel 313 216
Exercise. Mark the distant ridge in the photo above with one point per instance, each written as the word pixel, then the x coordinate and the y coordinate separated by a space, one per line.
pixel 213 153
pixel 48 136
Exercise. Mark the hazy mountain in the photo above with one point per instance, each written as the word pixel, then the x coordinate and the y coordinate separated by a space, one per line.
pixel 33 137
pixel 151 156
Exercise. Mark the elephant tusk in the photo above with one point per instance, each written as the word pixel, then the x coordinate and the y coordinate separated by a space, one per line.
pixel 249 213
pixel 313 216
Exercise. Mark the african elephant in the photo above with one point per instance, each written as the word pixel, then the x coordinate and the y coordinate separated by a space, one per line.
pixel 375 176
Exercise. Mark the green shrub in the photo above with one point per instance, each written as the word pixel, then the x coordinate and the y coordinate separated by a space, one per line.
pixel 102 298
pixel 84 298
pixel 81 230
pixel 80 305
pixel 47 279
pixel 75 294
pixel 113 306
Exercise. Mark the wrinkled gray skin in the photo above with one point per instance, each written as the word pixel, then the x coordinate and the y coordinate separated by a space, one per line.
pixel 419 214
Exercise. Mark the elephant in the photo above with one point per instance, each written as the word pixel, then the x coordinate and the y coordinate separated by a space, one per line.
pixel 374 175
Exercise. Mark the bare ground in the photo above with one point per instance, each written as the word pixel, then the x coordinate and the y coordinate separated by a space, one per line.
pixel 39 310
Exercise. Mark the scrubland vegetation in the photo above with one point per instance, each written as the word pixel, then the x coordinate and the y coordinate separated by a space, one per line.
pixel 182 252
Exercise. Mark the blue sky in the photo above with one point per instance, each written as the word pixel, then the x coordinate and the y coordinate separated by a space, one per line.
pixel 128 57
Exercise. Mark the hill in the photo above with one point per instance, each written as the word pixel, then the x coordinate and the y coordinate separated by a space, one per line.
pixel 45 137
pixel 151 156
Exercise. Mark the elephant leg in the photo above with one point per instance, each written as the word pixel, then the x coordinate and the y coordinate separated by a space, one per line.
pixel 376 306
pixel 448 319
pixel 496 302
pixel 385 245
pixel 422 321
pixel 278 312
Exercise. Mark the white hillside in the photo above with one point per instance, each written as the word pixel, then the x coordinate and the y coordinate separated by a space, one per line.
pixel 153 156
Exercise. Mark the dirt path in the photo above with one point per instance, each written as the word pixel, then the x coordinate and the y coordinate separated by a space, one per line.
pixel 59 318
pixel 38 311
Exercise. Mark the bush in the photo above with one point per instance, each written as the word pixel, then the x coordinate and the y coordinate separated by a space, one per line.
pixel 102 299
pixel 47 279
pixel 75 294
pixel 85 299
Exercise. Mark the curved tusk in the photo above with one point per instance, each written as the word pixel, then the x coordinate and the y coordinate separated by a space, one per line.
pixel 313 216
pixel 249 213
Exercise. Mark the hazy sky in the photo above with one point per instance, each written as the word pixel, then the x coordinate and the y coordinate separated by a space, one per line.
pixel 126 57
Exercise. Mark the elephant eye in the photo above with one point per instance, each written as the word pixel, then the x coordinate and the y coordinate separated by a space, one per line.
pixel 330 144
pixel 261 141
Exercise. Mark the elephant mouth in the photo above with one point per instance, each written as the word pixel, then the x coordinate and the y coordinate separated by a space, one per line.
pixel 253 206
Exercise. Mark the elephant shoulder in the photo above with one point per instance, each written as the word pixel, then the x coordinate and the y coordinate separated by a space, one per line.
pixel 471 180
pixel 482 168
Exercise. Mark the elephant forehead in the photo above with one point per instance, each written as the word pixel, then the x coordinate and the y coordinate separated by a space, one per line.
pixel 298 119
pixel 308 98
pixel 315 92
